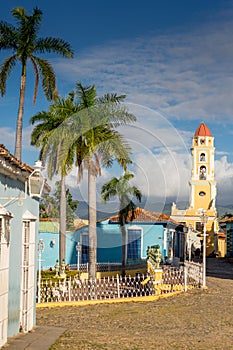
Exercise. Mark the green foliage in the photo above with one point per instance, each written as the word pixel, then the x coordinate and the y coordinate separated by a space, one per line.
pixel 24 42
pixel 87 133
pixel 50 206
pixel 48 275
pixel 122 189
pixel 154 255
pixel 27 47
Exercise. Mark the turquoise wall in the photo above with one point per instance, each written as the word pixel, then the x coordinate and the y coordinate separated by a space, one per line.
pixel 108 243
pixel 229 239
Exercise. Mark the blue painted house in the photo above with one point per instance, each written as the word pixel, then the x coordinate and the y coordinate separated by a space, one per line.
pixel 227 227
pixel 147 229
pixel 19 212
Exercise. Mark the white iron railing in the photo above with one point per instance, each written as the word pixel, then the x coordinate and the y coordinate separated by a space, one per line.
pixel 78 289
pixel 194 273
pixel 104 288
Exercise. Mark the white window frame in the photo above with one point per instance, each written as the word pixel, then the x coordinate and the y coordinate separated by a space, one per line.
pixel 28 284
pixel 134 228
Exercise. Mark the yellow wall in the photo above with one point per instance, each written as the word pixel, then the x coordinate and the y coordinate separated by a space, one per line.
pixel 192 215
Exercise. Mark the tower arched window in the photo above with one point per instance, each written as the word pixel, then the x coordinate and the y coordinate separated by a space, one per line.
pixel 202 157
pixel 202 175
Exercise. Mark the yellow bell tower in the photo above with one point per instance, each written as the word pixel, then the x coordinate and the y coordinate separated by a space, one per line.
pixel 203 189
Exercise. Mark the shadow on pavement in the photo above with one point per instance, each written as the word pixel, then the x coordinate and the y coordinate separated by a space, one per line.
pixel 219 268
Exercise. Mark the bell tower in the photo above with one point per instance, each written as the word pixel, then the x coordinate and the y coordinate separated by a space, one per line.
pixel 202 189
pixel 202 183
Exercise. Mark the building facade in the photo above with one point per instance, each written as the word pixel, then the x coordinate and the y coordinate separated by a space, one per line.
pixel 203 190
pixel 227 227
pixel 147 229
pixel 19 213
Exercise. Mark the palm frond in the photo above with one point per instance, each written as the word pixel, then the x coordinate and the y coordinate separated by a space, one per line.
pixel 47 75
pixel 122 189
pixel 5 71
pixel 56 45
pixel 111 98
pixel 86 95
pixel 8 36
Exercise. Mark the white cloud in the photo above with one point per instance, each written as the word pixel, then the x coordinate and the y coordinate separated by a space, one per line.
pixel 187 75
pixel 176 76
pixel 7 137
pixel 224 178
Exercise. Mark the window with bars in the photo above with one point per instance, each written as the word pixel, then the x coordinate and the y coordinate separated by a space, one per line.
pixel 26 238
pixel 7 230
pixel 134 244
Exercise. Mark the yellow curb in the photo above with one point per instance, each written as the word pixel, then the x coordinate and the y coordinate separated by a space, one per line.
pixel 51 305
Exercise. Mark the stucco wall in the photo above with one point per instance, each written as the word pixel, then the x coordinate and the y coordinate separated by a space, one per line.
pixel 108 242
pixel 10 189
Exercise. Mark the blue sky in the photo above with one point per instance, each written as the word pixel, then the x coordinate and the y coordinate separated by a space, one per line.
pixel 173 59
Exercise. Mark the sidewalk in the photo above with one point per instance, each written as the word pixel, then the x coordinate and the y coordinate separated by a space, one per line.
pixel 40 338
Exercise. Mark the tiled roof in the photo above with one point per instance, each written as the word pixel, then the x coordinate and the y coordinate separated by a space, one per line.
pixel 13 167
pixel 227 220
pixel 221 235
pixel 14 161
pixel 142 215
pixel 203 130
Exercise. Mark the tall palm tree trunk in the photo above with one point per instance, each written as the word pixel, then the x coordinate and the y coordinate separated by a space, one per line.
pixel 62 221
pixel 92 223
pixel 123 249
pixel 19 125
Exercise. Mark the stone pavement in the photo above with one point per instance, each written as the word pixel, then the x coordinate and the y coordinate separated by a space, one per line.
pixel 219 268
pixel 42 337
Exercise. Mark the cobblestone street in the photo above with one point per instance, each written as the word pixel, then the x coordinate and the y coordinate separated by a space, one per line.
pixel 199 319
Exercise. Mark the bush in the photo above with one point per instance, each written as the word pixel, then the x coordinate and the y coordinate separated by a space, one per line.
pixel 48 275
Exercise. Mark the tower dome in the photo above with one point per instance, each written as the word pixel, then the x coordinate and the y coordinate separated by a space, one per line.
pixel 203 130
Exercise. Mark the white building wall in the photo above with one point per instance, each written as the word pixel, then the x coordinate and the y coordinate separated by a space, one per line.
pixel 4 283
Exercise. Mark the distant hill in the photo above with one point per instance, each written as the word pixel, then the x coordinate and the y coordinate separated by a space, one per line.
pixel 224 209
pixel 82 211
pixel 104 211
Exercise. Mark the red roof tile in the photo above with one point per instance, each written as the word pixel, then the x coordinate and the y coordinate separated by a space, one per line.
pixel 143 215
pixel 8 156
pixel 203 130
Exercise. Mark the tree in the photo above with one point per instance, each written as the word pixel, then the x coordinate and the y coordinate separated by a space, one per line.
pixel 50 206
pixel 57 113
pixel 124 191
pixel 71 205
pixel 25 44
pixel 93 130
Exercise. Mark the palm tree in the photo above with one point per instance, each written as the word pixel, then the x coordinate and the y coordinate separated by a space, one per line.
pixel 124 191
pixel 93 130
pixel 25 44
pixel 58 112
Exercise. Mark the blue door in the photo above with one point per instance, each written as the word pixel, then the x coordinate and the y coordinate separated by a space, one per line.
pixel 134 244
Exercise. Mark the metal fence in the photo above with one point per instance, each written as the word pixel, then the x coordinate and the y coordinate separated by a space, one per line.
pixel 103 267
pixel 77 289
pixel 98 289
pixel 193 273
